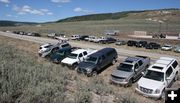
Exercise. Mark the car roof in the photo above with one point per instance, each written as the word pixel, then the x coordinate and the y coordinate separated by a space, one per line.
pixel 132 60
pixel 78 51
pixel 45 45
pixel 162 64
pixel 102 52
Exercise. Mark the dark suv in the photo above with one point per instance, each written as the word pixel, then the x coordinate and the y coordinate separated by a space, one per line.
pixel 141 44
pixel 153 45
pixel 97 61
pixel 58 56
pixel 108 40
pixel 131 43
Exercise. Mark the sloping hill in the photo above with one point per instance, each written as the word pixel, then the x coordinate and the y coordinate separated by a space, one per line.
pixel 118 15
pixel 15 23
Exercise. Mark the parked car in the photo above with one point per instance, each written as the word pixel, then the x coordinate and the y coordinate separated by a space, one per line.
pixel 153 45
pixel 97 61
pixel 82 37
pixel 97 40
pixel 47 49
pixel 92 38
pixel 58 56
pixel 141 44
pixel 75 37
pixel 158 77
pixel 177 49
pixel 130 70
pixel 120 42
pixel 76 57
pixel 131 43
pixel 108 40
pixel 63 38
pixel 167 47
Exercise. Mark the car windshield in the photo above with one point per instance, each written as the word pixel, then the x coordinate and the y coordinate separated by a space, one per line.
pixel 167 46
pixel 158 76
pixel 92 60
pixel 48 46
pixel 60 52
pixel 73 56
pixel 125 67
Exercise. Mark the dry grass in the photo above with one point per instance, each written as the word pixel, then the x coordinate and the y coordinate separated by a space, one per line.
pixel 24 77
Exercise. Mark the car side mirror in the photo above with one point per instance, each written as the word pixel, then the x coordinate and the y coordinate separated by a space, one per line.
pixel 142 73
pixel 168 78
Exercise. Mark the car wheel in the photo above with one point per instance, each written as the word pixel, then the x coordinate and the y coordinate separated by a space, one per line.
pixel 74 66
pixel 130 82
pixel 94 73
pixel 162 94
pixel 176 77
pixel 114 61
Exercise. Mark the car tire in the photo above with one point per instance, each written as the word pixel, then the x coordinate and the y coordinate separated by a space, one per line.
pixel 94 73
pixel 176 77
pixel 74 66
pixel 114 61
pixel 162 94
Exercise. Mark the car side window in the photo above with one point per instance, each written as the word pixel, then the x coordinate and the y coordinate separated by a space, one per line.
pixel 103 57
pixel 80 55
pixel 136 66
pixel 85 53
pixel 174 65
pixel 140 62
pixel 169 72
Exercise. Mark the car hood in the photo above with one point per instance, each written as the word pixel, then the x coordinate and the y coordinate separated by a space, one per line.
pixel 86 65
pixel 120 73
pixel 56 56
pixel 150 84
pixel 69 61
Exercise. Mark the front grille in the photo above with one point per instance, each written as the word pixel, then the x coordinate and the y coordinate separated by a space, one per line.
pixel 81 70
pixel 145 90
pixel 120 79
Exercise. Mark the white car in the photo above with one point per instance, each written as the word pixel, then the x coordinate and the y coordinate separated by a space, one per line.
pixel 99 39
pixel 46 49
pixel 158 77
pixel 167 47
pixel 90 38
pixel 75 37
pixel 63 38
pixel 76 57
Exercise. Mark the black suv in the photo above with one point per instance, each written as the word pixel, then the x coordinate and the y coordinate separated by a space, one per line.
pixel 153 45
pixel 97 61
pixel 108 40
pixel 82 37
pixel 131 43
pixel 141 44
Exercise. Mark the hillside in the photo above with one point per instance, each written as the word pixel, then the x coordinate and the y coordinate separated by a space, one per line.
pixel 114 16
pixel 129 22
pixel 14 23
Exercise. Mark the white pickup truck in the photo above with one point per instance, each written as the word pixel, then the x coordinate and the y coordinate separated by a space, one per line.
pixel 76 57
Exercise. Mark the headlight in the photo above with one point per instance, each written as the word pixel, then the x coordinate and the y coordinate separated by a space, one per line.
pixel 126 79
pixel 89 70
pixel 157 91
pixel 138 86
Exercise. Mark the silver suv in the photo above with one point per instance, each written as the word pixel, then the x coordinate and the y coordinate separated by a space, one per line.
pixel 130 70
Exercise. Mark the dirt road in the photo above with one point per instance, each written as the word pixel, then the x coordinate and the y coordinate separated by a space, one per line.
pixel 121 51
